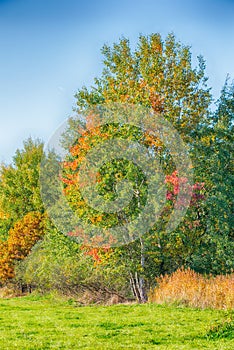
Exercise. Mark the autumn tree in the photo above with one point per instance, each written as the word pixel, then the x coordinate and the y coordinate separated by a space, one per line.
pixel 109 174
pixel 21 238
pixel 157 75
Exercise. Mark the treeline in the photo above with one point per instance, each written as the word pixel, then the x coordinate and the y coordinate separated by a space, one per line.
pixel 159 76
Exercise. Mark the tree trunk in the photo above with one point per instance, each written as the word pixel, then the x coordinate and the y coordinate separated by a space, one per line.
pixel 134 287
pixel 137 281
pixel 142 286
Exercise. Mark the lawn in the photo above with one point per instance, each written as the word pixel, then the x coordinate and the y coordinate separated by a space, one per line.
pixel 45 323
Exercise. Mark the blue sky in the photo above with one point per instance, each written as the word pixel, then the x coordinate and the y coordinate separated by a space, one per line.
pixel 49 48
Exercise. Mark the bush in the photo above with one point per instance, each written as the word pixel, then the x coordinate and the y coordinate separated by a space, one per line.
pixel 57 263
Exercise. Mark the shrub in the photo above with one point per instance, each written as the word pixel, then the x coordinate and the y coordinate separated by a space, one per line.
pixel 57 263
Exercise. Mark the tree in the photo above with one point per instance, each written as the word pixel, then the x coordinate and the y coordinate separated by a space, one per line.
pixel 109 174
pixel 21 221
pixel 22 237
pixel 19 183
pixel 216 168
pixel 158 75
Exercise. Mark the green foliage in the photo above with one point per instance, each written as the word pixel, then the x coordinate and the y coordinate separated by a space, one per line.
pixel 58 263
pixel 159 75
pixel 52 263
pixel 19 188
pixel 216 167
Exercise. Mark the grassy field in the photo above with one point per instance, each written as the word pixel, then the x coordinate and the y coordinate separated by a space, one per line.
pixel 44 323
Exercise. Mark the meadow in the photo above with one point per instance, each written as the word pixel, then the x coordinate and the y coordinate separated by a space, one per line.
pixel 35 322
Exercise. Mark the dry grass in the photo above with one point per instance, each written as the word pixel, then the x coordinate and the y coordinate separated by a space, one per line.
pixel 189 288
pixel 8 292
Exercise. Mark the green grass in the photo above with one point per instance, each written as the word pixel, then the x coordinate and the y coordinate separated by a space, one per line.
pixel 44 323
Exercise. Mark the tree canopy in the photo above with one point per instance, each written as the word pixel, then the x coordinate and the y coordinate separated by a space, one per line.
pixel 158 76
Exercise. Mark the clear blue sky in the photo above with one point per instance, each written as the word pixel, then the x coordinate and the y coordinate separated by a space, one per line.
pixel 50 48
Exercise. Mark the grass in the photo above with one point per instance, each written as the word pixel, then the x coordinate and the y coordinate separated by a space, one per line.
pixel 45 323
pixel 186 287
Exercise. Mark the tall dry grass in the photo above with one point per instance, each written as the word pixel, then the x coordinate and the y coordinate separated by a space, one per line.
pixel 186 287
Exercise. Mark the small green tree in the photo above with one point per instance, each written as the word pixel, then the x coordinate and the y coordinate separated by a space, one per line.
pixel 19 182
